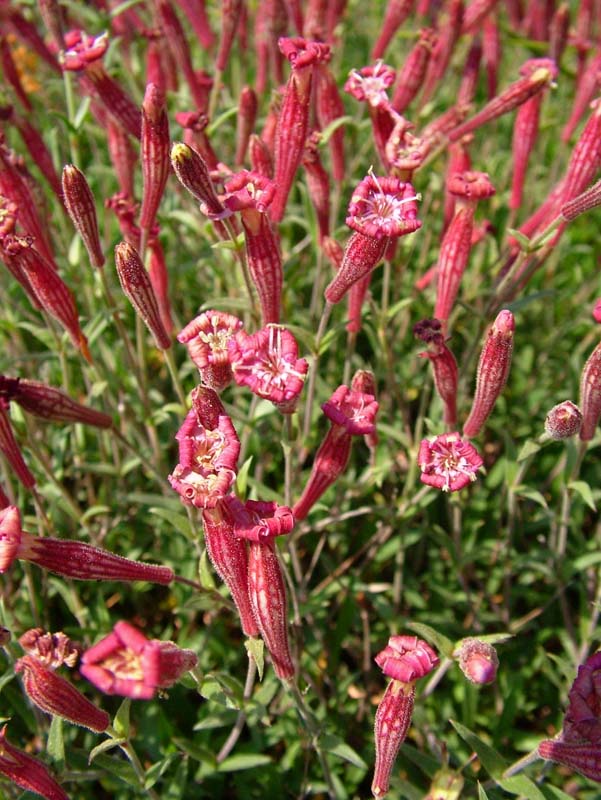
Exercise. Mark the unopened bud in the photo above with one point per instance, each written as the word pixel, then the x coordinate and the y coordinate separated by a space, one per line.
pixel 478 660
pixel 564 420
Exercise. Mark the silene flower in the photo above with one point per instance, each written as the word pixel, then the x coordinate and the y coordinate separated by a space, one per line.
pixel 207 460
pixel 268 363
pixel 126 663
pixel 27 772
pixel 448 462
pixel 206 338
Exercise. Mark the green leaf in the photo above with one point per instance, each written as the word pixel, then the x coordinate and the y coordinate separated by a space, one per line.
pixel 327 132
pixel 255 648
pixel 584 490
pixel 94 511
pixel 155 772
pixel 203 755
pixel 481 793
pixel 205 574
pixel 114 12
pixel 531 494
pixel 523 241
pixel 336 746
pixel 81 113
pixel 116 766
pixel 244 761
pixel 242 476
pixel 217 123
pixel 121 721
pixel 529 448
pixel 444 645
pixel 491 760
pixel 56 742
pixel 522 786
pixel 104 747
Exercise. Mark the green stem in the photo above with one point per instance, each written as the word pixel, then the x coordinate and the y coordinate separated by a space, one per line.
pixel 231 740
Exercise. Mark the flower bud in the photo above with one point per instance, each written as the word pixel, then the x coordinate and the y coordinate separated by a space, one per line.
pixel 79 202
pixel 477 660
pixel 564 420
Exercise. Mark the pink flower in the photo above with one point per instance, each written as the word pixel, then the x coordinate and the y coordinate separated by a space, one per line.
pixel 448 462
pixel 371 83
pixel 384 206
pixel 206 338
pixel 257 521
pixel 207 460
pixel 51 649
pixel 267 362
pixel 126 663
pixel 355 411
pixel 82 49
pixel 405 659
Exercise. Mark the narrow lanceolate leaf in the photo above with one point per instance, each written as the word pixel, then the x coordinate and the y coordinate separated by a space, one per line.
pixel 154 153
pixel 80 205
pixel 138 290
pixel 493 369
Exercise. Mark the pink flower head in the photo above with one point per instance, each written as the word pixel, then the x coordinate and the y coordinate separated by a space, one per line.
pixel 207 461
pixel 248 190
pixel 267 362
pixel 448 462
pixel 126 663
pixel 564 420
pixel 51 649
pixel 406 659
pixel 382 207
pixel 352 410
pixel 478 660
pixel 82 49
pixel 302 53
pixel 582 720
pixel 370 84
pixel 597 311
pixel 471 185
pixel 257 521
pixel 206 338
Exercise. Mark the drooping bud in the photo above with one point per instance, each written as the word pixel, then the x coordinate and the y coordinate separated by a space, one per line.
pixel 477 660
pixel 27 772
pixel 564 420
pixel 396 13
pixel 154 153
pixel 11 450
pixel 49 403
pixel 55 695
pixel 444 366
pixel 493 369
pixel 247 115
pixel 137 287
pixel 79 202
pixel 590 394
pixel 193 173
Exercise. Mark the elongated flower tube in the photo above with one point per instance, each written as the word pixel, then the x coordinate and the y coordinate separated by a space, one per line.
pixel 467 188
pixel 293 119
pixel 590 394
pixel 159 279
pixel 558 32
pixel 247 115
pixel 229 556
pixel 123 157
pixel 493 369
pixel 83 54
pixel 55 695
pixel 11 450
pixel 206 338
pixel 448 462
pixel 586 88
pixel 370 85
pixel 196 12
pixel 49 289
pixel 80 205
pixel 380 209
pixel 260 156
pixel 396 13
pixel 208 456
pixel 137 287
pixel 364 381
pixel 267 594
pixel 154 153
pixel 328 108
pixel 48 403
pixel 410 77
pixel 406 659
pixel 351 413
pixel 178 45
pixel 268 363
pixel 584 757
pixel 470 74
pixel 230 15
pixel 449 31
pixel 195 124
pixel 444 366
pixel 515 94
pixel 126 663
pixel 27 772
pixel 69 558
pixel 38 150
pixel 318 183
pixel 193 173
pixel 251 194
